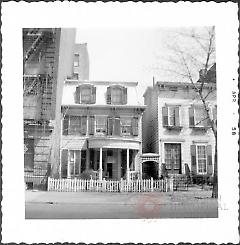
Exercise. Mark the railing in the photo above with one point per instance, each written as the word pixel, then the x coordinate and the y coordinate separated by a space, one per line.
pixel 80 185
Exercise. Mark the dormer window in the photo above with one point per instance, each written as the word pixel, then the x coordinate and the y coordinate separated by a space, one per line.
pixel 86 94
pixel 116 95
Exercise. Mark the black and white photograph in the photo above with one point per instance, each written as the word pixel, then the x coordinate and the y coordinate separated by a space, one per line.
pixel 106 149
pixel 124 124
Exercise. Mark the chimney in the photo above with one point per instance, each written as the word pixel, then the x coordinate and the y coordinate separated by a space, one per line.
pixel 153 81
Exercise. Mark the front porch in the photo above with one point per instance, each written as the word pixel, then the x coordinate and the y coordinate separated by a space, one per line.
pixel 100 163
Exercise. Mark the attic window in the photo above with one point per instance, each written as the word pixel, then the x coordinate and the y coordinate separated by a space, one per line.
pixel 116 95
pixel 85 94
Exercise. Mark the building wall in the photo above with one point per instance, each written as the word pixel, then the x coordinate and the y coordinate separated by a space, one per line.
pixel 64 69
pixel 150 123
pixel 186 136
pixel 81 67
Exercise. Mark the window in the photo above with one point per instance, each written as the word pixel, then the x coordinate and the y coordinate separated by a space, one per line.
pixel 117 95
pixel 171 116
pixel 71 163
pixel 198 117
pixel 28 154
pixel 76 60
pixel 85 94
pixel 101 125
pixel 75 76
pixel 74 125
pixel 126 126
pixel 201 159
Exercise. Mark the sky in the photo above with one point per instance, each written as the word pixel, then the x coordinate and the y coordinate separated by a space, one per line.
pixel 130 54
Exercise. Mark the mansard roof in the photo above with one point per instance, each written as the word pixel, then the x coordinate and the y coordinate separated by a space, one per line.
pixel 133 97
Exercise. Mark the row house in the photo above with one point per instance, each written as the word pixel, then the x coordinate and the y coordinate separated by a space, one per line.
pixel 101 129
pixel 176 128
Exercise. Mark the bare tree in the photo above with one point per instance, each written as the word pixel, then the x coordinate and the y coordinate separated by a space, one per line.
pixel 190 54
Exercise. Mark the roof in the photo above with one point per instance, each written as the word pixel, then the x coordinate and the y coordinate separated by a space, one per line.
pixel 133 98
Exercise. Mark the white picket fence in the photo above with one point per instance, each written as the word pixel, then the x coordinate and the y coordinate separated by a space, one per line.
pixel 80 185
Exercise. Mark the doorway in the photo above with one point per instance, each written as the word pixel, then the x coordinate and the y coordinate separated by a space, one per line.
pixel 173 158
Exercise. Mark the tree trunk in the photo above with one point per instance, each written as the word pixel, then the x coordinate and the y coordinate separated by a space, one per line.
pixel 215 175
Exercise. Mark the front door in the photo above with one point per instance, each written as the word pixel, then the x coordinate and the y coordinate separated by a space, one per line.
pixel 173 158
pixel 109 169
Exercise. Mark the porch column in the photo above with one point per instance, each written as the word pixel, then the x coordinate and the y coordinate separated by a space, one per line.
pixel 159 168
pixel 119 164
pixel 127 165
pixel 100 165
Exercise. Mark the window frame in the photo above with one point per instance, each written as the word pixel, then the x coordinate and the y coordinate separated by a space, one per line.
pixel 69 132
pixel 197 159
pixel 95 124
pixel 129 126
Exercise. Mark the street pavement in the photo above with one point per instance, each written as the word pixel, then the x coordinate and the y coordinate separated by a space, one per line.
pixel 194 203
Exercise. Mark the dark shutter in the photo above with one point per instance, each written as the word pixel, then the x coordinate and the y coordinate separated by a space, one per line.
pixel 64 163
pixel 77 162
pixel 124 94
pixel 93 98
pixel 176 113
pixel 209 159
pixel 193 159
pixel 135 126
pixel 109 95
pixel 77 95
pixel 91 125
pixel 165 116
pixel 117 126
pixel 65 125
pixel 110 126
pixel 83 125
pixel 191 116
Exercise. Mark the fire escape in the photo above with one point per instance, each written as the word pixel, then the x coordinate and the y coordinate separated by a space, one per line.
pixel 38 78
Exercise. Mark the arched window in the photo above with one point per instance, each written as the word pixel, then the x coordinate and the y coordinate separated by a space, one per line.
pixel 85 94
pixel 116 95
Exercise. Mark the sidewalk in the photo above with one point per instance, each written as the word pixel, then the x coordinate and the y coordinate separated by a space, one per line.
pixel 193 195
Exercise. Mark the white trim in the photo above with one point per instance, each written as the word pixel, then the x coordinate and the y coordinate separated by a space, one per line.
pixel 197 158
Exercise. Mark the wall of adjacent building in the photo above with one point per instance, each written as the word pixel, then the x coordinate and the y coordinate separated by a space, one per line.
pixel 186 136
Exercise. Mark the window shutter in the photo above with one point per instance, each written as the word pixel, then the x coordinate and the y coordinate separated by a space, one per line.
pixel 176 113
pixel 83 125
pixel 135 126
pixel 109 95
pixel 65 125
pixel 117 126
pixel 64 163
pixel 77 95
pixel 191 117
pixel 93 99
pixel 110 126
pixel 165 116
pixel 91 125
pixel 77 162
pixel 124 94
pixel 193 159
pixel 209 159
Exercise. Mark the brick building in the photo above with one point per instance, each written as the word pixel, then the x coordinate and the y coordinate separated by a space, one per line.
pixel 81 62
pixel 48 59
